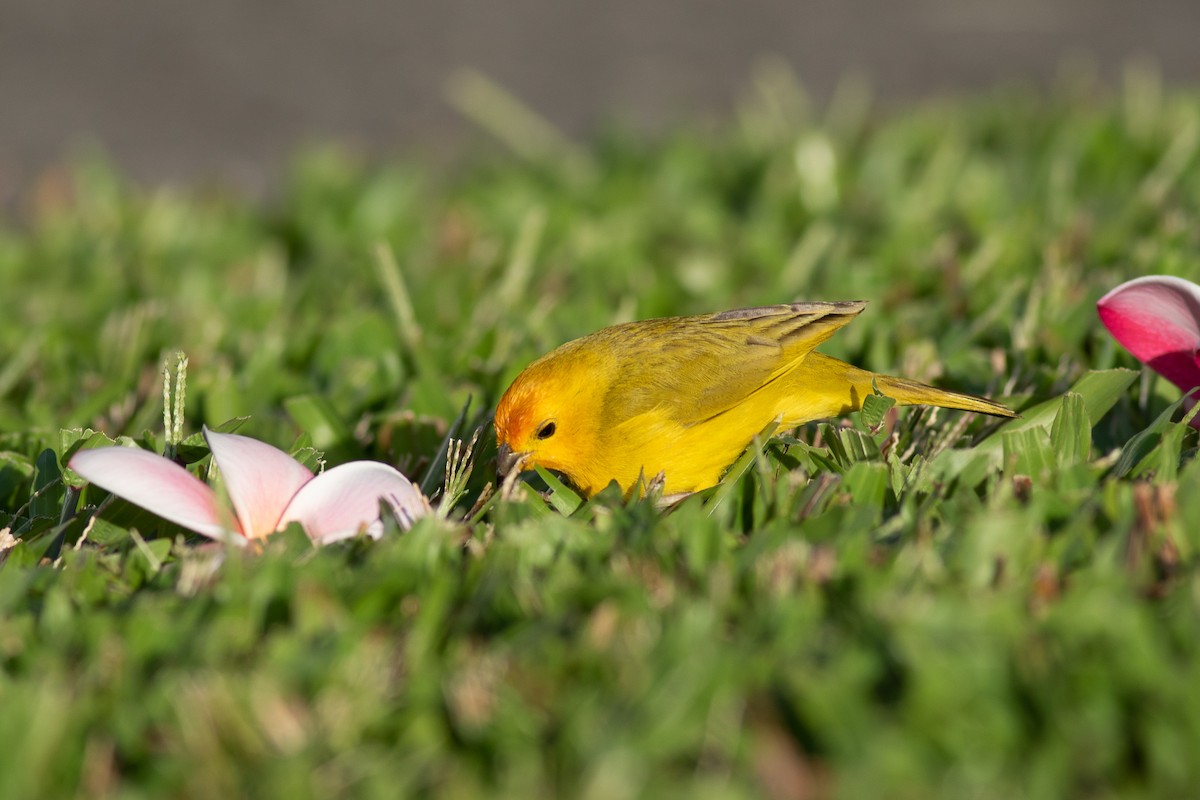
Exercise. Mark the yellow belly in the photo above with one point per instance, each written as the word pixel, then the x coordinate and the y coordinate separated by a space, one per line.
pixel 695 457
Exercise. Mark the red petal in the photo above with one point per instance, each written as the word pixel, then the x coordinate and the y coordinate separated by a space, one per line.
pixel 1157 319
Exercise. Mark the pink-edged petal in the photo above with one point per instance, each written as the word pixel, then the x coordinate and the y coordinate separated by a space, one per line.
pixel 260 479
pixel 1157 319
pixel 345 500
pixel 157 485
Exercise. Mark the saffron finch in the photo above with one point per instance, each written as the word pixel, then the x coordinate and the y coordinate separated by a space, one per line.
pixel 684 396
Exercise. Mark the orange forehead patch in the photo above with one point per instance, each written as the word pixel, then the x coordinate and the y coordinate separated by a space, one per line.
pixel 514 414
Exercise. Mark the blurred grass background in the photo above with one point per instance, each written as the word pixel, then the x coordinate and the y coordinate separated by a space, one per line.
pixel 847 618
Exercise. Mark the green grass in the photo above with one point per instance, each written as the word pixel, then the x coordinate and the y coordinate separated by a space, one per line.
pixel 947 612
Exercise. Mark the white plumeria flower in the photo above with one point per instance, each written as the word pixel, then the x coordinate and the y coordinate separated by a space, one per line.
pixel 267 488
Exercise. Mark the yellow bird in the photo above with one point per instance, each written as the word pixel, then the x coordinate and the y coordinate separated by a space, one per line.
pixel 684 396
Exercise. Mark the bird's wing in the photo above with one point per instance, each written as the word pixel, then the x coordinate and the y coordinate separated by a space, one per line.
pixel 693 368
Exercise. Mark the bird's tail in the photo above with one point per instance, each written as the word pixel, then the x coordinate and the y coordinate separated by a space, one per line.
pixel 826 387
pixel 911 393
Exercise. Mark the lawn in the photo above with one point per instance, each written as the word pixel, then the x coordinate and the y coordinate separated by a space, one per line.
pixel 904 604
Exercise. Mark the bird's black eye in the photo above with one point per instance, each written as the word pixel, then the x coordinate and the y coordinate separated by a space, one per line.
pixel 546 431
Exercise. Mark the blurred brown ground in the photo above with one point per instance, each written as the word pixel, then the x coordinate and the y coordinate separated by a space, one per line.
pixel 222 91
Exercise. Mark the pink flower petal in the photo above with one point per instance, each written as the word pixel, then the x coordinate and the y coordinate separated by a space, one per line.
pixel 260 479
pixel 157 485
pixel 1157 319
pixel 345 500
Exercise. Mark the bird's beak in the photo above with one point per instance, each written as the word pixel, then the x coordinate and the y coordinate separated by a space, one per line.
pixel 507 460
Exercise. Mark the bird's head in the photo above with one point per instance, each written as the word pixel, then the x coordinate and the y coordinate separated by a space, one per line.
pixel 550 417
